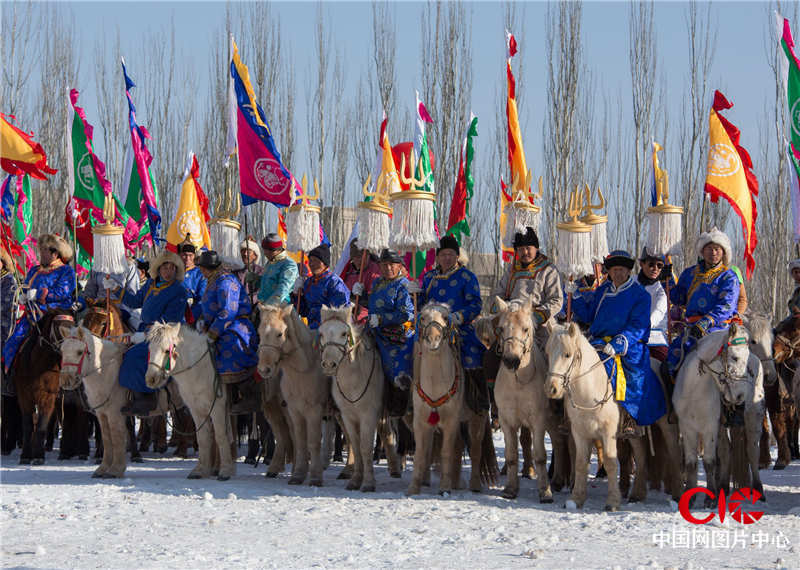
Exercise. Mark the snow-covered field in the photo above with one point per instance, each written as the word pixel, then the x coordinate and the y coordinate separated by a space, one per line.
pixel 56 516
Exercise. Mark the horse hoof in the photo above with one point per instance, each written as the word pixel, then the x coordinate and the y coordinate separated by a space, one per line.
pixel 137 459
pixel 83 457
pixel 97 475
pixel 315 483
pixel 250 460
pixel 779 466
pixel 635 499
pixel 194 476
pixel 395 475
pixel 269 475
pixel 352 486
pixel 413 490
pixel 344 475
pixel 109 476
pixel 546 499
pixel 611 508
pixel 223 477
pixel 98 460
pixel 37 461
pixel 509 494
pixel 24 460
pixel 369 488
pixel 295 481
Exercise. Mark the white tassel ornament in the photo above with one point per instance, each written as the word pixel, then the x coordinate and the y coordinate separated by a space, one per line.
pixel 519 215
pixel 373 228
pixel 225 241
pixel 664 234
pixel 413 221
pixel 109 246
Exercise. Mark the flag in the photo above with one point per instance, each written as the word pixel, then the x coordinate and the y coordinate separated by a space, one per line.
pixel 145 191
pixel 262 175
pixel 79 230
pixel 794 188
pixel 730 174
pixel 17 206
pixel 19 153
pixel 653 184
pixel 88 173
pixel 192 215
pixel 130 196
pixel 424 166
pixel 458 220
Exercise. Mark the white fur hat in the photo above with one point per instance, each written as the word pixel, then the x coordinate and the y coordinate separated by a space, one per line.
pixel 171 257
pixel 56 242
pixel 718 237
pixel 794 263
pixel 252 246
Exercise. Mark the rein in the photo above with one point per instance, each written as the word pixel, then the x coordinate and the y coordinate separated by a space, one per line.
pixel 366 386
pixel 346 349
pixel 566 378
pixel 722 378
pixel 80 374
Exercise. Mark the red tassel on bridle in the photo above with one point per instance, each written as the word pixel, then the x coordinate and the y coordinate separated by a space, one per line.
pixel 433 418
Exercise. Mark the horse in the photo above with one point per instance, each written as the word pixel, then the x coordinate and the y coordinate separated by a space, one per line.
pixel 520 396
pixel 439 403
pixel 353 360
pixel 89 359
pixel 36 371
pixel 577 375
pixel 177 351
pixel 287 357
pixel 781 407
pixel 721 368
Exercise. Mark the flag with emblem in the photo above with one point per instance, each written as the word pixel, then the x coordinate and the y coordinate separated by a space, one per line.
pixel 730 175
pixel 262 175
pixel 19 153
pixel 789 72
pixel 794 189
pixel 17 218
pixel 458 220
pixel 192 216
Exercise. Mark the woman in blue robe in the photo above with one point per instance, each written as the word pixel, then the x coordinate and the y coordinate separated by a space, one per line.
pixel 391 318
pixel 162 299
pixel 49 285
pixel 618 314
pixel 452 283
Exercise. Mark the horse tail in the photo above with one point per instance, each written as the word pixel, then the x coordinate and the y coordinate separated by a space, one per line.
pixel 740 464
pixel 489 469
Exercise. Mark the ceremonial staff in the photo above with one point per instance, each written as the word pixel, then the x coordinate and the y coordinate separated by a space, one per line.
pixel 599 237
pixel 109 250
pixel 521 212
pixel 302 224
pixel 574 245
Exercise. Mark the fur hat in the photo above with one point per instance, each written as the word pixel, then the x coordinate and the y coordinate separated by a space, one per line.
pixel 251 244
pixel 528 238
pixel 56 242
pixel 794 263
pixel 448 242
pixel 164 257
pixel 618 258
pixel 273 241
pixel 323 253
pixel 718 237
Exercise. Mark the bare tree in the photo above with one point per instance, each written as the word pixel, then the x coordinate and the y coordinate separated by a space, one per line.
pixel 21 47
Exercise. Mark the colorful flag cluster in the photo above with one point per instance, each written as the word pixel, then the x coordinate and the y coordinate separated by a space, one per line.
pixel 790 74
pixel 458 220
pixel 730 174
pixel 192 217
pixel 17 219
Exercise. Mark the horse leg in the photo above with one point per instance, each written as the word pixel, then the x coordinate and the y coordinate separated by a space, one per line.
pixel 314 431
pixel 778 420
pixel 27 435
pixel 450 429
pixel 511 438
pixel 158 426
pixel 640 453
pixel 752 428
pixel 672 461
pixel 525 441
pixel 625 455
pixel 274 415
pixel 118 438
pixel 423 436
pixel 601 461
pixel 610 462
pixel 130 427
pixel 300 465
pixel 223 436
pixel 540 460
pixel 204 454
pixel 582 451
pixel 354 440
pixel 723 461
pixel 477 425
pixel 367 433
pixel 108 447
pixel 388 439
pixel 45 408
pixel 711 461
pixel 764 458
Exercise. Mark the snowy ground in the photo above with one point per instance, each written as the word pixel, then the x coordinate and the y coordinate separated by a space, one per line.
pixel 56 516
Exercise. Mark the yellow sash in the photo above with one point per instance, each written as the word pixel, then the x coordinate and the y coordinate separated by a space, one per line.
pixel 622 383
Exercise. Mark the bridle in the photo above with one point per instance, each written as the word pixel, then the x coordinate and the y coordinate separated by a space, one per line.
pixel 78 365
pixel 345 348
pixel 566 379
pixel 170 360
pixel 722 378
pixel 792 346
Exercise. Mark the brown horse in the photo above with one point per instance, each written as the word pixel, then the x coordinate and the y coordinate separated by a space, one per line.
pixel 781 408
pixel 36 370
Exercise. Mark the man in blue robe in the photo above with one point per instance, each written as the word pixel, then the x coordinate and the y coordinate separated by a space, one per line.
pixel 618 314
pixel 194 281
pixel 452 283
pixel 322 287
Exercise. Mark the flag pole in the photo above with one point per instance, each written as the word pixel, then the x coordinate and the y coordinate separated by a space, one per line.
pixel 360 275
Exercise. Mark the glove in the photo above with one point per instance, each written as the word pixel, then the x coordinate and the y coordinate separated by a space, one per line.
pixel 190 301
pixel 298 284
pixel 374 321
pixel 200 325
pixel 212 336
pixel 456 319
pixel 358 288
pixel 76 306
pixel 413 287
pixel 138 337
pixel 570 287
pixel 32 294
pixel 696 332
pixel 109 283
pixel 609 350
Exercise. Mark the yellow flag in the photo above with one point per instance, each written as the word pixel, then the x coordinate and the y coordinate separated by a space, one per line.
pixel 190 220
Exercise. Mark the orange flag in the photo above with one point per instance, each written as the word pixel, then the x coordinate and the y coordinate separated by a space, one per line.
pixel 20 154
pixel 192 216
pixel 730 175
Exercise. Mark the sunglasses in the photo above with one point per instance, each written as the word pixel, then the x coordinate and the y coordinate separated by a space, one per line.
pixel 656 264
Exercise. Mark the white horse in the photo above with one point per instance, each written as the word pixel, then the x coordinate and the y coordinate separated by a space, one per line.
pixel 353 360
pixel 520 396
pixel 721 370
pixel 176 351
pixel 577 375
pixel 286 354
pixel 438 393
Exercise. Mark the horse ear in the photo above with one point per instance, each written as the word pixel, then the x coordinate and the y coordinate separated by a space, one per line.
pixel 286 310
pixel 80 332
pixel 500 303
pixel 573 330
pixel 325 313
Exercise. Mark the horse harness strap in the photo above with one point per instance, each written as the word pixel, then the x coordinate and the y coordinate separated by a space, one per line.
pixel 366 386
pixel 566 378
pixel 441 400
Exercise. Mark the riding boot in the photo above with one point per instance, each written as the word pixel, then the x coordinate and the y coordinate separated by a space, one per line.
pixel 557 409
pixel 628 428
pixel 141 405
pixel 734 416
pixel 8 388
pixel 478 392
pixel 397 400
pixel 250 401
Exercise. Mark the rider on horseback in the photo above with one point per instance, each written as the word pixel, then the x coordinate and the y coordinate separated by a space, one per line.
pixel 280 272
pixel 162 298
pixel 193 280
pixel 223 314
pixel 650 267
pixel 49 285
pixel 452 283
pixel 117 284
pixel 359 278
pixel 250 274
pixel 618 314
pixel 322 287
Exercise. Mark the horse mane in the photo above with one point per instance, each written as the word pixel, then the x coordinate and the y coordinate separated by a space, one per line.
pixel 299 330
pixel 443 308
pixel 160 331
pixel 759 325
pixel 341 313
pixel 709 346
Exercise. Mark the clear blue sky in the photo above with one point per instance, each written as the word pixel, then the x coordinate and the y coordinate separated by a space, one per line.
pixel 739 69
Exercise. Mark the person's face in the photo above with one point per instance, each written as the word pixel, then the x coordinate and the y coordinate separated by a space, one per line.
pixel 167 271
pixel 652 268
pixel 316 266
pixel 712 254
pixel 248 256
pixel 446 259
pixel 527 253
pixel 355 257
pixel 796 274
pixel 47 256
pixel 142 274
pixel 390 270
pixel 619 275
pixel 271 253
pixel 188 259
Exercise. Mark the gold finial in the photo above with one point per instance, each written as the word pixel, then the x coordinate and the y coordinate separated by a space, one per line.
pixel 374 200
pixel 662 186
pixel 109 214
pixel 590 217
pixel 415 185
pixel 574 209
pixel 303 198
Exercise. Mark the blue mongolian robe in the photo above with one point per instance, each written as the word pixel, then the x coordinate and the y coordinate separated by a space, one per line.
pixel 160 302
pixel 324 289
pixel 195 284
pixel 225 310
pixel 391 301
pixel 60 284
pixel 621 317
pixel 710 298
pixel 458 288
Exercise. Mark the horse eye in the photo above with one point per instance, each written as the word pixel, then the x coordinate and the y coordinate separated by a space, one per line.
pixel 525 330
pixel 566 355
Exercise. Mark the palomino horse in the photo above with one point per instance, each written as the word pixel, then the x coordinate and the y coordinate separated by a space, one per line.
pixel 36 370
pixel 439 403
pixel 285 352
pixel 87 358
pixel 577 375
pixel 178 352
pixel 720 370
pixel 519 391
pixel 353 360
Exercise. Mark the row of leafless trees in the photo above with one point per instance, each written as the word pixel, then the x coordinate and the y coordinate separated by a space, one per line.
pixel 586 137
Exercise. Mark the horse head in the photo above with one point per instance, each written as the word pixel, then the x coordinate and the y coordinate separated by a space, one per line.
pixel 786 344
pixel 74 353
pixel 162 353
pixel 563 351
pixel 337 337
pixel 514 331
pixel 54 326
pixel 434 320
pixel 274 333
pixel 732 349
pixel 761 344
